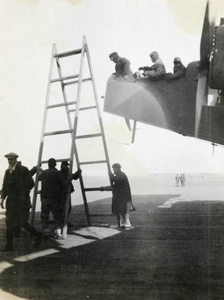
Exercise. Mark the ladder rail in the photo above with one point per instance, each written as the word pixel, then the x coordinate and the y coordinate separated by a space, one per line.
pixel 54 50
pixel 99 112
pixel 74 150
pixel 66 206
pixel 64 92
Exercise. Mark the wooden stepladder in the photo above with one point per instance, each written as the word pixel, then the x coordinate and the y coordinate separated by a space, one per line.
pixel 78 133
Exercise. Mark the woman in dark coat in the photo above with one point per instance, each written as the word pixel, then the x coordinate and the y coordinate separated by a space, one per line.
pixel 122 200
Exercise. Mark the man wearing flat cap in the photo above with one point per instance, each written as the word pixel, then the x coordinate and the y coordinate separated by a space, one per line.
pixel 16 188
pixel 122 67
pixel 122 199
pixel 122 73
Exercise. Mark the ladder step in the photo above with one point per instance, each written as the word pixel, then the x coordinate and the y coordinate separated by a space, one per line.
pixel 64 78
pixel 92 189
pixel 69 53
pixel 88 107
pixel 83 108
pixel 93 162
pixel 61 104
pixel 58 132
pixel 76 81
pixel 57 160
pixel 89 136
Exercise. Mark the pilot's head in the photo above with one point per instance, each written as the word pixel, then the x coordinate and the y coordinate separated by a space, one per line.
pixel 154 56
pixel 116 168
pixel 114 56
pixel 177 61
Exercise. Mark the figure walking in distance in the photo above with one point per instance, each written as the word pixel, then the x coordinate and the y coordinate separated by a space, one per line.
pixel 177 178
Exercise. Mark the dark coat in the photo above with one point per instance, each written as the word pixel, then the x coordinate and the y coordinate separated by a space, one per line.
pixel 178 72
pixel 17 186
pixel 75 176
pixel 53 184
pixel 122 68
pixel 122 199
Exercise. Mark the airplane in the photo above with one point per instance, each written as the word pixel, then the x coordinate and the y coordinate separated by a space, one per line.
pixel 192 106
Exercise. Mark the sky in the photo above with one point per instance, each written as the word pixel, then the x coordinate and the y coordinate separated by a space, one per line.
pixel 133 28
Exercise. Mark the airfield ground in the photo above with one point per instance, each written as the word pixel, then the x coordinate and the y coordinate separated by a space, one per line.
pixel 174 252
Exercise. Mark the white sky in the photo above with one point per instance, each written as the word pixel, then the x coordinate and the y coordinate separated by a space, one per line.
pixel 133 28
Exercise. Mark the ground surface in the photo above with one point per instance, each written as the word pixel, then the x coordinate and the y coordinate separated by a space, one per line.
pixel 175 251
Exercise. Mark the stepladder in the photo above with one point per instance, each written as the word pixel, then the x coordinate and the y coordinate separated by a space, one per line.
pixel 72 128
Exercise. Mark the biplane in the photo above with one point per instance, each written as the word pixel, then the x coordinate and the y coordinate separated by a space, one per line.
pixel 191 106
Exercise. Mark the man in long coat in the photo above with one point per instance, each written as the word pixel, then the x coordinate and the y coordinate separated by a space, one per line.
pixel 122 200
pixel 16 188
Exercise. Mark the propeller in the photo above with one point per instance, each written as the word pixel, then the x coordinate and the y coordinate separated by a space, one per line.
pixel 203 67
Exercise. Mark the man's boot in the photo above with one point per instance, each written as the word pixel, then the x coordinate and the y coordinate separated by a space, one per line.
pixel 9 244
pixel 57 234
pixel 37 239
pixel 45 232
pixel 127 221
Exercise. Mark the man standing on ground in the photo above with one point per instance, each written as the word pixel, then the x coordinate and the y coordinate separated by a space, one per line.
pixel 64 171
pixel 16 187
pixel 53 184
pixel 122 200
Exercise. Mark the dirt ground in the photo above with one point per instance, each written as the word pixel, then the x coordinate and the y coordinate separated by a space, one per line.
pixel 174 251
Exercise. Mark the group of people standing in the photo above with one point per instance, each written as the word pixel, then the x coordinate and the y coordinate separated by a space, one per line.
pixel 56 189
pixel 180 180
pixel 156 71
pixel 17 184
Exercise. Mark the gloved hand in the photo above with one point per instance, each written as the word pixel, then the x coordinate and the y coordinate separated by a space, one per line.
pixel 2 203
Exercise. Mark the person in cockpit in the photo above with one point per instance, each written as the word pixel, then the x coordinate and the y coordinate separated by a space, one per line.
pixel 122 67
pixel 157 70
pixel 179 70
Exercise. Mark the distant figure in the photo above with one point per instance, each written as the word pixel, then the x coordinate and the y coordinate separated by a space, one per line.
pixel 122 67
pixel 122 73
pixel 53 183
pixel 16 188
pixel 122 200
pixel 177 180
pixel 157 70
pixel 220 98
pixel 179 70
pixel 64 171
pixel 182 180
